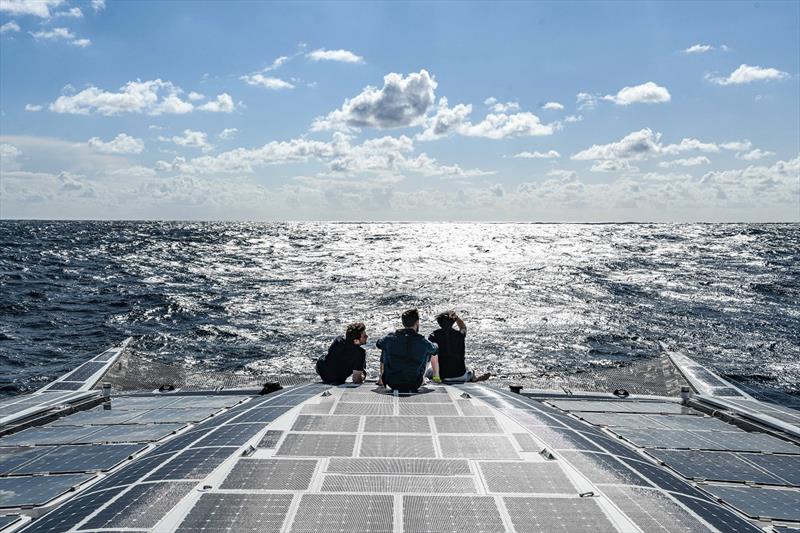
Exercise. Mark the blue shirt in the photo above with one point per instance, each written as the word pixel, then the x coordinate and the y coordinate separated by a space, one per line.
pixel 405 355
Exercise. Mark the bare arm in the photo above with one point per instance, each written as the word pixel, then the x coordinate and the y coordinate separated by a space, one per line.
pixel 435 365
pixel 460 323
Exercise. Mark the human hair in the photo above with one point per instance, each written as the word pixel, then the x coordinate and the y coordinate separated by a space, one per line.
pixel 354 331
pixel 410 318
pixel 445 320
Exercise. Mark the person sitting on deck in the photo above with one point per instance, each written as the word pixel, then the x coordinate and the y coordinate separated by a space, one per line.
pixel 452 367
pixel 405 355
pixel 345 357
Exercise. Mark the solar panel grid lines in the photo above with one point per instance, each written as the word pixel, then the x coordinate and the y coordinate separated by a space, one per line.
pixel 326 423
pixel 7 520
pixel 758 502
pixel 160 416
pixel 317 445
pixel 451 514
pixel 142 506
pixel 71 512
pixel 663 479
pixel 477 447
pixel 15 457
pixel 50 435
pixel 194 463
pixel 133 433
pixel 558 514
pixel 270 439
pixel 602 468
pixel 360 513
pixel 470 408
pixel 529 478
pixel 77 458
pixel 85 371
pixel 427 409
pixel 404 466
pixel 716 515
pixel 96 416
pixel 785 467
pixel 396 445
pixel 229 435
pixel 469 425
pixel 526 442
pixel 245 513
pixel 270 474
pixel 34 491
pixel 394 484
pixel 652 510
pixel 714 466
pixel 345 408
pixel 396 424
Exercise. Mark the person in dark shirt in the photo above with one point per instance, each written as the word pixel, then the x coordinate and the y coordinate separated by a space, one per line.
pixel 405 355
pixel 452 366
pixel 345 357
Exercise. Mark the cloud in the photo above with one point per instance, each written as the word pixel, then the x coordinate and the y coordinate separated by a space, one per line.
pixel 154 97
pixel 555 106
pixel 401 102
pixel 689 145
pixel 698 49
pixel 688 162
pixel 748 74
pixel 33 107
pixel 445 121
pixel 342 56
pixel 550 154
pixel 259 80
pixel 276 63
pixel 98 5
pixel 195 96
pixel 739 146
pixel 586 101
pixel 121 144
pixel 223 104
pixel 610 165
pixel 754 155
pixel 74 13
pixel 573 118
pixel 638 145
pixel 647 93
pixel 501 107
pixel 8 156
pixel 190 139
pixel 36 8
pixel 9 27
pixel 228 133
pixel 61 34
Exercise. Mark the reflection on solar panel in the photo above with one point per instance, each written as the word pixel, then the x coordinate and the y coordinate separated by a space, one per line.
pixel 98 415
pixel 38 490
pixel 535 478
pixel 330 423
pixel 623 420
pixel 141 403
pixel 558 514
pixel 453 514
pixel 230 435
pixel 562 438
pixel 778 504
pixel 400 466
pixel 339 512
pixel 134 433
pixel 195 463
pixel 261 414
pixel 12 458
pixel 697 423
pixel 717 516
pixel 7 520
pixel 270 439
pixel 141 507
pixel 719 466
pixel 50 435
pixel 69 458
pixel 602 468
pixel 786 467
pixel 243 513
pixel 270 474
pixel 66 385
pixel 173 415
pixel 652 510
pixel 84 372
pixel 477 447
pixel 664 438
pixel 749 442
pixel 663 479
pixel 130 473
pixel 622 406
pixel 72 512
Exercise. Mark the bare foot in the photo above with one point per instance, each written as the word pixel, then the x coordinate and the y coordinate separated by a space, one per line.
pixel 484 377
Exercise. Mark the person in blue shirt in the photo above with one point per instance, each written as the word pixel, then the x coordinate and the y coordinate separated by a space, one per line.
pixel 405 355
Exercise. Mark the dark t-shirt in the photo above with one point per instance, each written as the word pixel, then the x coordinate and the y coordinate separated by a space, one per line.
pixel 451 352
pixel 405 354
pixel 342 358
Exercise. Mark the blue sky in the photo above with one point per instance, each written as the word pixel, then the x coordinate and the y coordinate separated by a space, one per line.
pixel 400 111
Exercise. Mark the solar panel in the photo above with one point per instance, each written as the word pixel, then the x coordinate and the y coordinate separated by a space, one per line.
pixel 141 403
pixel 84 372
pixel 696 423
pixel 451 514
pixel 173 415
pixel 396 424
pixel 717 516
pixel 195 463
pixel 533 478
pixel 351 397
pixel 662 478
pixel 131 472
pixel 133 433
pixel 462 424
pixel 664 438
pixel 256 513
pixel 49 435
pixel 70 513
pixel 558 514
pixel 339 512
pixel 428 409
pixel 531 418
pixel 425 398
pixel 261 414
pixel 777 504
pixel 441 467
pixel 343 408
pixel 652 510
pixel 602 468
pixel 786 467
pixel 12 458
pixel 748 442
pixel 562 438
pixel 69 458
pixel 526 442
pixel 477 447
pixel 329 423
pixel 7 520
pixel 215 402
pixel 469 408
pixel 270 474
pixel 230 435
pixel 318 445
pixel 322 408
pixel 717 466
pixel 36 490
pixel 141 507
pixel 66 385
pixel 270 439
pixel 622 406
pixel 398 484
pixel 390 445
pixel 631 420
pixel 96 416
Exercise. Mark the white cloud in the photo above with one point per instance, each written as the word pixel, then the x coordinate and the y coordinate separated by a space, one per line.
pixel 36 8
pixel 646 93
pixel 33 107
pixel 228 133
pixel 342 56
pixel 195 96
pixel 8 156
pixel 9 27
pixel 401 102
pixel 502 107
pixel 586 101
pixel 277 63
pixel 688 162
pixel 154 97
pixel 445 121
pixel 610 165
pixel 121 144
pixel 689 145
pixel 553 106
pixel 550 154
pixel 74 13
pixel 98 5
pixel 61 34
pixel 739 146
pixel 754 155
pixel 574 118
pixel 638 145
pixel 698 49
pixel 748 74
pixel 259 80
pixel 191 139
pixel 223 104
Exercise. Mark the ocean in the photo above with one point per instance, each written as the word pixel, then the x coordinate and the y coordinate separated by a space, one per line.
pixel 254 298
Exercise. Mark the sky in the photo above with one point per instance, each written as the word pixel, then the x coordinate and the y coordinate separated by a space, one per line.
pixel 585 112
